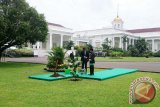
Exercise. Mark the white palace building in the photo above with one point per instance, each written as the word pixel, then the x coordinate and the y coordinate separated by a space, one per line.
pixel 58 34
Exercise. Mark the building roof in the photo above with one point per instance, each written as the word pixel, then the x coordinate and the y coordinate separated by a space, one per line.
pixel 53 24
pixel 144 30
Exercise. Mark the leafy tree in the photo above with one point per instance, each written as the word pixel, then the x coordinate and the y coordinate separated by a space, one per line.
pixel 68 44
pixel 80 48
pixel 139 49
pixel 88 47
pixel 106 46
pixel 141 46
pixel 106 43
pixel 157 54
pixel 20 24
pixel 133 51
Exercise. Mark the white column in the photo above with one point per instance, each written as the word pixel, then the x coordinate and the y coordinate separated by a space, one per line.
pixel 113 42
pixel 126 45
pixel 152 45
pixel 38 46
pixel 61 41
pixel 120 42
pixel 50 41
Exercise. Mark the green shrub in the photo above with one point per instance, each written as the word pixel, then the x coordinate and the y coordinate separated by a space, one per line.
pixel 55 58
pixel 117 49
pixel 20 53
pixel 157 54
pixel 78 50
pixel 148 54
pixel 133 51
pixel 116 54
pixel 125 53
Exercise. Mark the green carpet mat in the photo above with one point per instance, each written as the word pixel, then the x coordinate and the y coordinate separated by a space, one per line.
pixel 100 75
pixel 106 74
pixel 48 78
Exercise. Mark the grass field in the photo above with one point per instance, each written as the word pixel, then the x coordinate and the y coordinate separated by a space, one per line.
pixel 17 90
pixel 129 59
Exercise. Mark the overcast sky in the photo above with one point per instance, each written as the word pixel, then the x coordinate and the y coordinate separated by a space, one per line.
pixel 93 14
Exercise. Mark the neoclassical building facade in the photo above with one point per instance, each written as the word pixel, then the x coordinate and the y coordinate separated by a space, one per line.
pixel 58 34
pixel 115 34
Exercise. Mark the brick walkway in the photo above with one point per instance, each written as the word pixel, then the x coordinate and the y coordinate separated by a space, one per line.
pixel 143 66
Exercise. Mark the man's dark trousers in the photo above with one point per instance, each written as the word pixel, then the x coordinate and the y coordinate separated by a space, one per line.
pixel 84 65
pixel 91 68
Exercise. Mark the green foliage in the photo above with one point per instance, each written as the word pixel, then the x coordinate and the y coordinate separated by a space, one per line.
pixel 73 63
pixel 117 49
pixel 68 44
pixel 56 57
pixel 125 53
pixel 157 54
pixel 19 53
pixel 106 47
pixel 20 24
pixel 133 51
pixel 140 48
pixel 116 54
pixel 88 47
pixel 80 48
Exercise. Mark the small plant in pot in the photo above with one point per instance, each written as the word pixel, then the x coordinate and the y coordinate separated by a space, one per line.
pixel 74 63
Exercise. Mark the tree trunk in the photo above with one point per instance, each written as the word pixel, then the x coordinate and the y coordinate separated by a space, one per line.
pixel 55 71
pixel 56 74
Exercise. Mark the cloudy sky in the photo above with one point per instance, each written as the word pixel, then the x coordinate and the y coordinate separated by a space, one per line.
pixel 93 14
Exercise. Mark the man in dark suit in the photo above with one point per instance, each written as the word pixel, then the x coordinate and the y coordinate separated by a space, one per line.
pixel 92 61
pixel 84 58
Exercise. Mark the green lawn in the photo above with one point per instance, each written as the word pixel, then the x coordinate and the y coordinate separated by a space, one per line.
pixel 17 90
pixel 129 59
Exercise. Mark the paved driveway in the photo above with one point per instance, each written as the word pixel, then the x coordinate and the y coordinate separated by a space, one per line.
pixel 143 66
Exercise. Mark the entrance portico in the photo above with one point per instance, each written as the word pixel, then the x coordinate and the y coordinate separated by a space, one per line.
pixel 56 37
pixel 57 40
pixel 153 44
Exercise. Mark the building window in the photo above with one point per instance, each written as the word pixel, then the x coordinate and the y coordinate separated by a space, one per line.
pixel 150 46
pixel 98 44
pixel 82 43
